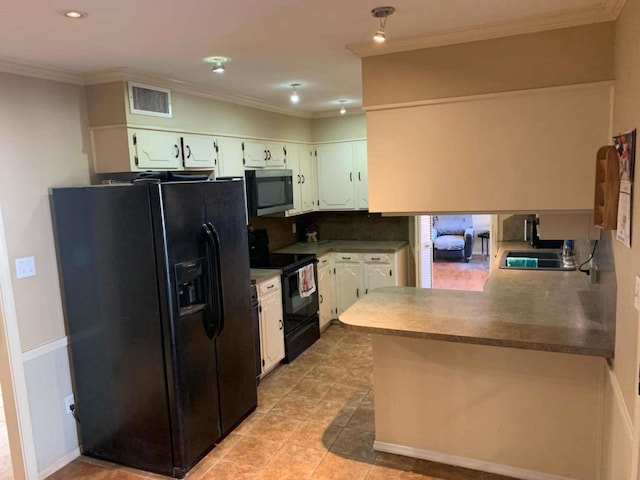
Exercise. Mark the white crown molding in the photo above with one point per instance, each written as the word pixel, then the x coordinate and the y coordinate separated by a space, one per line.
pixel 613 7
pixel 42 72
pixel 125 74
pixel 336 113
pixel 487 96
pixel 607 11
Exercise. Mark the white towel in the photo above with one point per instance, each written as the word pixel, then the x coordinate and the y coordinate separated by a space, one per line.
pixel 306 281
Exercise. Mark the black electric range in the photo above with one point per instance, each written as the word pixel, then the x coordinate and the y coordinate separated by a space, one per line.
pixel 301 323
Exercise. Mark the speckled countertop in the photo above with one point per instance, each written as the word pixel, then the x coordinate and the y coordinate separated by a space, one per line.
pixel 354 246
pixel 261 274
pixel 537 310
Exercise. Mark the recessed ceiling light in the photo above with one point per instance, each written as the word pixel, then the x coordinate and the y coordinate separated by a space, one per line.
pixel 74 14
pixel 342 109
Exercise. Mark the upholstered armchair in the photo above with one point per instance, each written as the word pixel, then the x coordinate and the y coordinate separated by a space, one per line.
pixel 452 237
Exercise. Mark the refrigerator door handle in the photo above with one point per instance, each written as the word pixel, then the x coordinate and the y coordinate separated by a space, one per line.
pixel 214 243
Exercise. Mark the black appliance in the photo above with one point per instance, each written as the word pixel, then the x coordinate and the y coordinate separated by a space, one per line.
pixel 531 235
pixel 301 320
pixel 156 289
pixel 255 320
pixel 268 191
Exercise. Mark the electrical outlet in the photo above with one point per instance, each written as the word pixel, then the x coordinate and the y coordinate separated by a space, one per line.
pixel 68 402
pixel 636 296
pixel 25 267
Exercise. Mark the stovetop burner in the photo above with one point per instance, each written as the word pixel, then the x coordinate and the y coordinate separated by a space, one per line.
pixel 281 261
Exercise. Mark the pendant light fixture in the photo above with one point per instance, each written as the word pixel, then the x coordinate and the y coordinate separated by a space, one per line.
pixel 295 98
pixel 218 63
pixel 342 109
pixel 381 13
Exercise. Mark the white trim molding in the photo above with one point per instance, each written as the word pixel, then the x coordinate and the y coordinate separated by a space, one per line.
pixel 607 11
pixel 49 347
pixel 29 467
pixel 41 72
pixel 487 96
pixel 465 462
pixel 61 462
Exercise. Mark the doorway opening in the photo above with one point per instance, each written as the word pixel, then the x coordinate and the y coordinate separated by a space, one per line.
pixel 454 251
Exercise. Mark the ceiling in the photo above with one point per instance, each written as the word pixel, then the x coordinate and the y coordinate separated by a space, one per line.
pixel 271 43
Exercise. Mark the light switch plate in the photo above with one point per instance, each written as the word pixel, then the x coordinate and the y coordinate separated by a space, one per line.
pixel 636 296
pixel 25 267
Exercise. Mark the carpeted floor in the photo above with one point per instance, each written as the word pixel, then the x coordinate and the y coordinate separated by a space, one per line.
pixel 458 275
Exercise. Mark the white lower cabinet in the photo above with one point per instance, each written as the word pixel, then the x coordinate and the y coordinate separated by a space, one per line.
pixel 271 323
pixel 378 272
pixel 348 280
pixel 325 290
pixel 357 274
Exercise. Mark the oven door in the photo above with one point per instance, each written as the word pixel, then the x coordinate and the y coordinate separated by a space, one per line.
pixel 296 308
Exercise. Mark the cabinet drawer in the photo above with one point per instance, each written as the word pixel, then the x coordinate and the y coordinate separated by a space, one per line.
pixel 269 286
pixel 324 261
pixel 346 257
pixel 377 258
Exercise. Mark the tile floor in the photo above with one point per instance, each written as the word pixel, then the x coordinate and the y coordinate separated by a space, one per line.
pixel 314 421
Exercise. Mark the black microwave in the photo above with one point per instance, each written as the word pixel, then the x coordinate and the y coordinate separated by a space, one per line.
pixel 268 191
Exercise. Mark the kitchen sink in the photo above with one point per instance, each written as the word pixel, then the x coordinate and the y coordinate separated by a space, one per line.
pixel 534 260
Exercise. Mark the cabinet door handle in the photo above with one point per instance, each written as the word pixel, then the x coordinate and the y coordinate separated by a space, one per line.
pixel 390 273
pixel 177 150
pixel 321 299
pixel 346 258
pixel 366 290
pixel 302 178
pixel 359 179
pixel 281 325
pixel 269 154
pixel 358 292
pixel 375 258
pixel 351 176
pixel 270 286
pixel 188 151
pixel 299 180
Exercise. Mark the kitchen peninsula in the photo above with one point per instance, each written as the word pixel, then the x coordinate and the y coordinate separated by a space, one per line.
pixel 508 380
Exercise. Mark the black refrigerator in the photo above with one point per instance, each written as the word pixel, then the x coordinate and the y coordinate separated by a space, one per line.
pixel 156 292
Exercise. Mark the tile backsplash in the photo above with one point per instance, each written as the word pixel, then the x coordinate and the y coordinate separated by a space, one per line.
pixel 333 226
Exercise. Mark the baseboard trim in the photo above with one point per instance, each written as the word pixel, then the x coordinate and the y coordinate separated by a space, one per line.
pixel 58 464
pixel 62 342
pixel 464 462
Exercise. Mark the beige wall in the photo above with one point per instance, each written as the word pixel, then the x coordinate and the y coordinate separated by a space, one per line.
pixel 536 60
pixel 108 105
pixel 531 151
pixel 627 260
pixel 344 127
pixel 44 143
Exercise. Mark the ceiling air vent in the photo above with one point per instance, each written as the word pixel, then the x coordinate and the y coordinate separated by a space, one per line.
pixel 149 100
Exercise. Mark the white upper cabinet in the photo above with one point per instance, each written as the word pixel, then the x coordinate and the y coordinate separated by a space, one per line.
pixel 342 176
pixel 276 155
pixel 200 152
pixel 154 150
pixel 254 154
pixel 308 179
pixel 362 187
pixel 230 157
pixel 335 176
pixel 261 154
